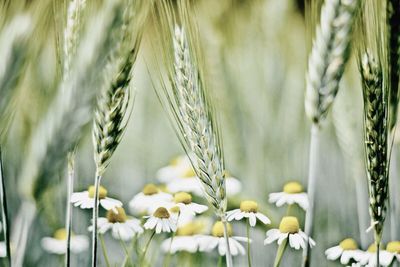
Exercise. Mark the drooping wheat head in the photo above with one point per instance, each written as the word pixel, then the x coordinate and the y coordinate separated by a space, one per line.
pixel 329 54
pixel 186 99
pixel 73 105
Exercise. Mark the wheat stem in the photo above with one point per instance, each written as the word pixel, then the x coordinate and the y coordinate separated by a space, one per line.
pixel 68 219
pixel 94 219
pixel 4 211
pixel 229 262
pixel 311 189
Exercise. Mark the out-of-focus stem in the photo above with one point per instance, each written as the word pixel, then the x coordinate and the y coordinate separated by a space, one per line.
pixel 228 254
pixel 94 219
pixel 68 217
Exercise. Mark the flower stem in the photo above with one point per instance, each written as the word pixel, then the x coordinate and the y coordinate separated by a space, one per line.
pixel 280 251
pixel 146 247
pixel 68 217
pixel 312 179
pixel 94 219
pixel 248 242
pixel 168 256
pixel 219 261
pixel 104 249
pixel 228 254
pixel 4 211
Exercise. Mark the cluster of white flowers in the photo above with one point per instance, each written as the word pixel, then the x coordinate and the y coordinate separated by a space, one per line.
pixel 350 255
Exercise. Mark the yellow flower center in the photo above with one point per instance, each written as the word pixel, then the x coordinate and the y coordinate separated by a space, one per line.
pixel 189 173
pixel 191 228
pixel 292 188
pixel 218 229
pixel 289 224
pixel 372 248
pixel 248 206
pixel 60 234
pixel 348 244
pixel 175 161
pixel 102 192
pixel 113 217
pixel 150 189
pixel 183 197
pixel 393 247
pixel 175 209
pixel 161 213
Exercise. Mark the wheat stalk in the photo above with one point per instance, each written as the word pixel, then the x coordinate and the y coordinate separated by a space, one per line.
pixel 71 40
pixel 329 55
pixel 187 101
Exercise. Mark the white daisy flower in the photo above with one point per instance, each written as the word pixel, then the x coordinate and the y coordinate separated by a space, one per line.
pixel 393 248
pixel 58 243
pixel 184 201
pixel 292 193
pixel 178 167
pixel 161 221
pixel 208 243
pixel 346 250
pixel 193 185
pixel 248 209
pixel 368 258
pixel 85 199
pixel 185 239
pixel 289 228
pixel 150 198
pixel 122 226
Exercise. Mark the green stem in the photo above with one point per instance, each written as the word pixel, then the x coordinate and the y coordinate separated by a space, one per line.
pixel 168 256
pixel 147 248
pixel 68 217
pixel 4 211
pixel 248 242
pixel 127 253
pixel 288 210
pixel 311 190
pixel 94 219
pixel 104 249
pixel 220 261
pixel 280 251
pixel 228 254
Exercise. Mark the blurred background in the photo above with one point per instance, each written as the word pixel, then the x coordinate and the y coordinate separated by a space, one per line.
pixel 255 53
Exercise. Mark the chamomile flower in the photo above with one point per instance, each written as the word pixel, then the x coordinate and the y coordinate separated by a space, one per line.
pixel 122 226
pixel 161 221
pixel 150 197
pixel 184 201
pixel 58 243
pixel 289 228
pixel 178 167
pixel 346 250
pixel 292 193
pixel 393 248
pixel 192 184
pixel 85 199
pixel 208 243
pixel 368 258
pixel 185 239
pixel 248 209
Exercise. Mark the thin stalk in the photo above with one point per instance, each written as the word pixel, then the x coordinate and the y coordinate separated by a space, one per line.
pixel 219 261
pixel 104 249
pixel 68 217
pixel 94 219
pixel 311 189
pixel 378 239
pixel 4 211
pixel 248 242
pixel 147 247
pixel 228 254
pixel 168 257
pixel 280 251
pixel 394 195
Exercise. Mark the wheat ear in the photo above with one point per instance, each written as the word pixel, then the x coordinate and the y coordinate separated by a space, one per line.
pixel 72 107
pixel 186 99
pixel 329 54
pixel 376 130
